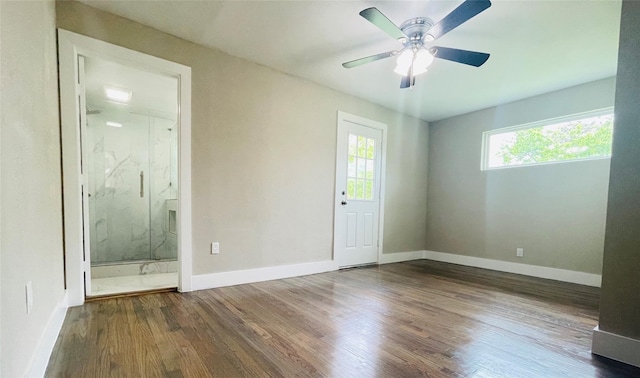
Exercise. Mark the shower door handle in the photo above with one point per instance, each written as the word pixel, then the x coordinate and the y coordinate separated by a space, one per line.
pixel 141 184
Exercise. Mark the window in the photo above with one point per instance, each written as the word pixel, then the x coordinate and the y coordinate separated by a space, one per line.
pixel 360 168
pixel 577 137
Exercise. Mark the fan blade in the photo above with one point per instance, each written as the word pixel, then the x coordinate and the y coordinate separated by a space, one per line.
pixel 377 18
pixel 405 82
pixel 471 58
pixel 369 59
pixel 460 15
pixel 409 80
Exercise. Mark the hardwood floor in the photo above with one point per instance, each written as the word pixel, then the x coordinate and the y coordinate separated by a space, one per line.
pixel 418 318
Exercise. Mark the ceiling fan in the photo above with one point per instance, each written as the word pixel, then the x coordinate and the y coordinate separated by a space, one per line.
pixel 416 33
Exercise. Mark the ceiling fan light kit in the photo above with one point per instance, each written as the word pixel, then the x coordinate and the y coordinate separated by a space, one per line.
pixel 415 60
pixel 415 33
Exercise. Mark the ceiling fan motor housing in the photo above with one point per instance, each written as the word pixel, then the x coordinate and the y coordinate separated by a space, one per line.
pixel 416 29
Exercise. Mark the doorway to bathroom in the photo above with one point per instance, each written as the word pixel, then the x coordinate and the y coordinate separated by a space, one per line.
pixel 126 170
pixel 130 161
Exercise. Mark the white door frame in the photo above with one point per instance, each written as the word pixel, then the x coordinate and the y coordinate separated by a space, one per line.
pixel 343 118
pixel 70 45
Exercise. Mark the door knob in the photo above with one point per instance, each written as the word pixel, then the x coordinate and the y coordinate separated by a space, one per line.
pixel 344 203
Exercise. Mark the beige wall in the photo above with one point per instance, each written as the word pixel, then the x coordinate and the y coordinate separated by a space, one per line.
pixel 263 150
pixel 31 201
pixel 555 212
pixel 620 300
pixel 1 123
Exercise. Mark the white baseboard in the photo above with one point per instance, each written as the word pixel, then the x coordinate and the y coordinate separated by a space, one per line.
pixel 238 277
pixel 389 258
pixel 42 353
pixel 616 347
pixel 582 278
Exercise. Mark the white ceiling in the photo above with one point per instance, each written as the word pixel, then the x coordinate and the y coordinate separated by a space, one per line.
pixel 535 46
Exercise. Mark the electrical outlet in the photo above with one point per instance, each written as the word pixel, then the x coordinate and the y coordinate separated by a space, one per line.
pixel 29 294
pixel 520 252
pixel 215 248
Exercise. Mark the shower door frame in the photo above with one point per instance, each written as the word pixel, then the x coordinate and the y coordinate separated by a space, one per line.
pixel 70 47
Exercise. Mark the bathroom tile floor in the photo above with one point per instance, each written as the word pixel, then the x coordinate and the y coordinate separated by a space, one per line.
pixel 130 284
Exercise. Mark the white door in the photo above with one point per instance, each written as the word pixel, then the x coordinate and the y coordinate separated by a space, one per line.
pixel 359 170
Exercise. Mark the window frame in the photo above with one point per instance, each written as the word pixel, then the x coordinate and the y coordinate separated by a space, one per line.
pixel 486 135
pixel 365 179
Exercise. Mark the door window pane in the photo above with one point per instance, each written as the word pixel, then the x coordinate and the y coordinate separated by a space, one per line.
pixel 360 189
pixel 353 145
pixel 351 166
pixel 361 168
pixel 368 191
pixel 370 170
pixel 370 148
pixel 351 188
pixel 362 146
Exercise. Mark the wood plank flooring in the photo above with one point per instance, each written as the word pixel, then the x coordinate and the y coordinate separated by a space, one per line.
pixel 411 319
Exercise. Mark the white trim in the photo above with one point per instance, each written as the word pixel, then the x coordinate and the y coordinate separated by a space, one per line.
pixel 183 215
pixel 70 45
pixel 40 359
pixel 239 277
pixel 84 179
pixel 616 347
pixel 582 278
pixel 71 180
pixel 390 258
pixel 383 179
pixel 484 155
pixel 341 117
pixel 547 163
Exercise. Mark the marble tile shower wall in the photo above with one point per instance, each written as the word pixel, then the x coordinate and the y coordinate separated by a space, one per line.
pixel 162 187
pixel 125 225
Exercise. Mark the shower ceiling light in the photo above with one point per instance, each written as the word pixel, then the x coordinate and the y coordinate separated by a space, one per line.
pixel 114 124
pixel 118 94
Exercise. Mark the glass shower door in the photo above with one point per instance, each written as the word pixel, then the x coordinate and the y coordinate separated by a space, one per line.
pixel 119 171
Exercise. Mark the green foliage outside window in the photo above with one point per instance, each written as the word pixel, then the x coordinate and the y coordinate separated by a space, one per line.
pixel 586 138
